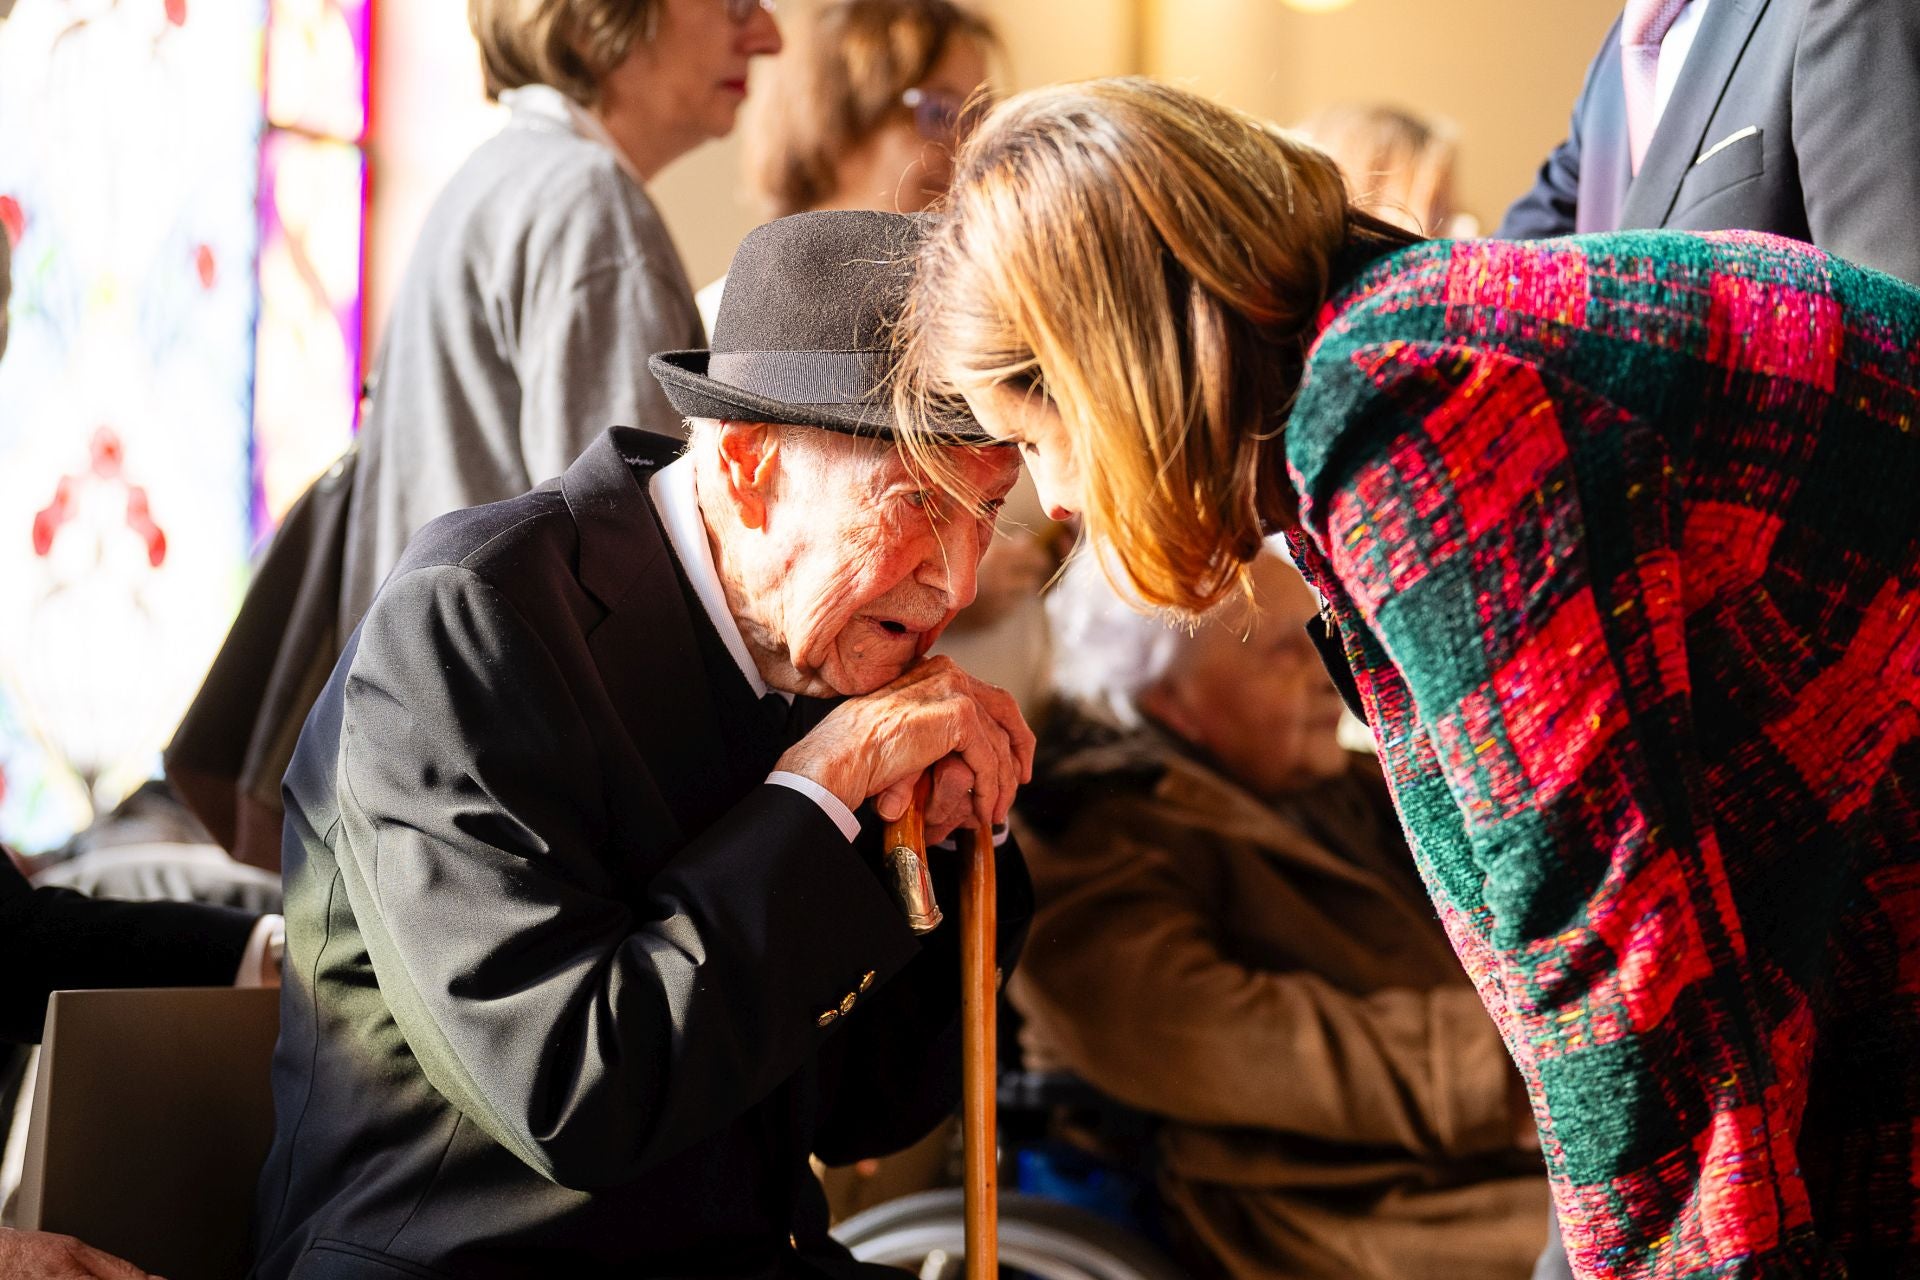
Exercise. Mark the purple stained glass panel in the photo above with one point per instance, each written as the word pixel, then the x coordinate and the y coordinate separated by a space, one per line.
pixel 308 341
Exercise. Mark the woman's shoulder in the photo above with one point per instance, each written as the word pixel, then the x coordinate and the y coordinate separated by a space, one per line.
pixel 1676 297
pixel 1413 329
pixel 1466 289
pixel 555 190
pixel 1491 289
pixel 1534 302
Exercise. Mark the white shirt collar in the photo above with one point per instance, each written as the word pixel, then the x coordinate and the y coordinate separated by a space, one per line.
pixel 544 102
pixel 674 497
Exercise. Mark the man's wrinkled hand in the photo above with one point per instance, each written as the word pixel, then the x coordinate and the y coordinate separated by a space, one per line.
pixel 950 801
pixel 935 716
pixel 38 1255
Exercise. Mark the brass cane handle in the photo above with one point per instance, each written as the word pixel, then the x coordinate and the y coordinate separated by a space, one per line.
pixel 905 842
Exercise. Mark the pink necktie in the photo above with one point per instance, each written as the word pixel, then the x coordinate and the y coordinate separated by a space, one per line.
pixel 1641 30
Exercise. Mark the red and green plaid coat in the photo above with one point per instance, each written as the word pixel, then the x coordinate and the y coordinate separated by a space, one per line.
pixel 1623 535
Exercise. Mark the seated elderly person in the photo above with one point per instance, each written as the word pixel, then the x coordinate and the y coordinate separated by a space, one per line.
pixel 587 947
pixel 1230 935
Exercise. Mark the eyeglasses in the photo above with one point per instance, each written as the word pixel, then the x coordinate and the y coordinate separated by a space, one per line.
pixel 738 11
pixel 941 115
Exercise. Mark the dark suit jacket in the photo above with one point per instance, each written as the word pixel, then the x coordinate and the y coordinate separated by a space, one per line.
pixel 560 963
pixel 232 748
pixel 1799 117
pixel 55 939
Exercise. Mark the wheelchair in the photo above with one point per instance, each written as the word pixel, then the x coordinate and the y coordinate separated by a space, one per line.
pixel 1070 1215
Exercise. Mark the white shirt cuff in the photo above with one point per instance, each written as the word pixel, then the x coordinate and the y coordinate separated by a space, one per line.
pixel 1000 833
pixel 254 958
pixel 829 803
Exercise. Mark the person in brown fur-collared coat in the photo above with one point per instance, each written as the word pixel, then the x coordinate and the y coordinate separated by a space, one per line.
pixel 1231 936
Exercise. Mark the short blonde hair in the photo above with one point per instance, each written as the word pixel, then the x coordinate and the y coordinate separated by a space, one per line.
pixel 843 77
pixel 1153 264
pixel 567 44
pixel 1396 164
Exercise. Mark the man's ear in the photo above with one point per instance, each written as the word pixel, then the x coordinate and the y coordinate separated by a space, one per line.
pixel 1160 703
pixel 749 459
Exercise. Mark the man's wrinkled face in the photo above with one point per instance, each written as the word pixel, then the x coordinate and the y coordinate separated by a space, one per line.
pixel 860 566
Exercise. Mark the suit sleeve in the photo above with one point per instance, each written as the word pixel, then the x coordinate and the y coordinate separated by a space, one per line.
pixel 1550 208
pixel 900 1056
pixel 55 940
pixel 589 1036
pixel 1856 127
pixel 1128 980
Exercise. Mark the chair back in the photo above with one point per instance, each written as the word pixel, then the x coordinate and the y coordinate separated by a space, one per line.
pixel 152 1113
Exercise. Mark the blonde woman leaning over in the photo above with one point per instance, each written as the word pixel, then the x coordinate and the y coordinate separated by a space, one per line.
pixel 1618 532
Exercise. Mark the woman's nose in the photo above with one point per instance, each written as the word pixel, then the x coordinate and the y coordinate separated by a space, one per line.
pixel 1055 499
pixel 760 34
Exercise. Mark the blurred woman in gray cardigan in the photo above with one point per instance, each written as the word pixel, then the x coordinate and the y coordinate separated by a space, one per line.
pixel 544 277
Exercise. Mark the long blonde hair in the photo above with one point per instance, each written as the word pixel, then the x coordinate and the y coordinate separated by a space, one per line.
pixel 1153 265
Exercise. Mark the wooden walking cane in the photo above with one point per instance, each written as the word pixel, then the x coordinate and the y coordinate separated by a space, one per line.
pixel 979 1007
pixel 905 843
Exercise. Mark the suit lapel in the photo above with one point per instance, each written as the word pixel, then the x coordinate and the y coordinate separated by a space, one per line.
pixel 645 648
pixel 1717 49
pixel 1605 158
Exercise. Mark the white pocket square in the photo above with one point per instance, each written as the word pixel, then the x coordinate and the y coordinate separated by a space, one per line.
pixel 1714 150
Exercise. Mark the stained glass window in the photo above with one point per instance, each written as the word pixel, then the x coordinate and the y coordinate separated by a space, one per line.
pixel 184 351
pixel 312 228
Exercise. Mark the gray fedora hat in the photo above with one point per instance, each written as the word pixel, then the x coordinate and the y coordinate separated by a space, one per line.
pixel 804 333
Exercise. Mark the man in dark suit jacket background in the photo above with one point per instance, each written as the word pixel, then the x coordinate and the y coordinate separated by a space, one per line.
pixel 56 940
pixel 1798 117
pixel 587 949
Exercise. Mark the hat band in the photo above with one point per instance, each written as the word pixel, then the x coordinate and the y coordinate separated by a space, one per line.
pixel 802 377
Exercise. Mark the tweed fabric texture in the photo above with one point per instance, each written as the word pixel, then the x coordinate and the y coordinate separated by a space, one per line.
pixel 1621 534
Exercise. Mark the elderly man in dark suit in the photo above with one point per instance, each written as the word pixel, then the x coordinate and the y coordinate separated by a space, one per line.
pixel 588 950
pixel 1799 117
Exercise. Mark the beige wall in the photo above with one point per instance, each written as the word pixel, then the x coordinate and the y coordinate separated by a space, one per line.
pixel 1504 71
pixel 429 111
